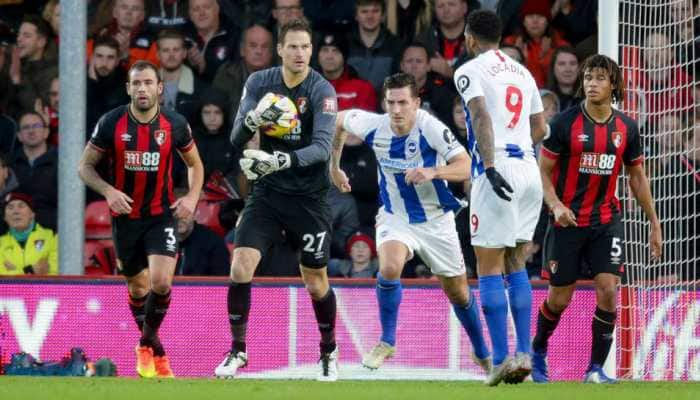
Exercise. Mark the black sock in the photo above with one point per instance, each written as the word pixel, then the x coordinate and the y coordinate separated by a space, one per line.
pixel 547 321
pixel 138 309
pixel 603 327
pixel 238 302
pixel 325 317
pixel 156 308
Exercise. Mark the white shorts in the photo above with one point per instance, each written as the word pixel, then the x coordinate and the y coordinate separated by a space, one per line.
pixel 435 241
pixel 497 223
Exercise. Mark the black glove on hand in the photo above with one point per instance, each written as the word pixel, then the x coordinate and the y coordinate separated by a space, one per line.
pixel 500 186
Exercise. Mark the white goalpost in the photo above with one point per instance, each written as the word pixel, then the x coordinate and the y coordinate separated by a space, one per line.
pixel 658 336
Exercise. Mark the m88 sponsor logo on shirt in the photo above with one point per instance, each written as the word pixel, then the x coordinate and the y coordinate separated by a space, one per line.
pixel 147 161
pixel 598 164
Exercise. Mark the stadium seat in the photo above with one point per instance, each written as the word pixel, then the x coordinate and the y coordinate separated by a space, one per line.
pixel 99 257
pixel 207 214
pixel 98 221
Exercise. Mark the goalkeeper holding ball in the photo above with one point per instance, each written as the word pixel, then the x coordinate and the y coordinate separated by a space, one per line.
pixel 294 109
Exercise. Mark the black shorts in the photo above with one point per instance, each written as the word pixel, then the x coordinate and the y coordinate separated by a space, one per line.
pixel 305 220
pixel 136 239
pixel 573 253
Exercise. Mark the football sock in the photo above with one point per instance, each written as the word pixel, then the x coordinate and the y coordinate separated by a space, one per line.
pixel 495 308
pixel 238 302
pixel 468 315
pixel 138 309
pixel 325 317
pixel 389 299
pixel 547 321
pixel 156 308
pixel 520 300
pixel 603 327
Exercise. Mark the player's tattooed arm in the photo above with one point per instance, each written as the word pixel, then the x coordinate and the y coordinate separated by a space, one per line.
pixel 118 201
pixel 483 129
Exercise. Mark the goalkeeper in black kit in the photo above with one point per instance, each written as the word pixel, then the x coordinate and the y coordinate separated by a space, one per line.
pixel 290 175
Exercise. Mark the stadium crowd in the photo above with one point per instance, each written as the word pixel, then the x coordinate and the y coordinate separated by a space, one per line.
pixel 206 49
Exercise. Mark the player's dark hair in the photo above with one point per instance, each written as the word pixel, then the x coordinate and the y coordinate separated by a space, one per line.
pixel 106 41
pixel 143 65
pixel 170 34
pixel 398 81
pixel 362 3
pixel 31 112
pixel 42 27
pixel 551 79
pixel 611 68
pixel 295 25
pixel 485 25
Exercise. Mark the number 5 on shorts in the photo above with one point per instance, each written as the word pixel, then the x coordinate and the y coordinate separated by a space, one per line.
pixel 615 248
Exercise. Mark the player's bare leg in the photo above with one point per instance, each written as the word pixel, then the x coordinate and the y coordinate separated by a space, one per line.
pixel 392 258
pixel 244 261
pixel 161 270
pixel 491 265
pixel 323 300
pixel 139 287
pixel 520 301
pixel 466 309
pixel 603 327
pixel 548 316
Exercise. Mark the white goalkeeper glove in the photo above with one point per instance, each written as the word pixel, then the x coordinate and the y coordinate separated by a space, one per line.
pixel 257 163
pixel 271 109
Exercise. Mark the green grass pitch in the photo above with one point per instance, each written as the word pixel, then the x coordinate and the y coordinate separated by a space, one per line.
pixel 26 388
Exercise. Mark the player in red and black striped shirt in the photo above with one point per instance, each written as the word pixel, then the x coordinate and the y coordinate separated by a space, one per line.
pixel 141 140
pixel 580 163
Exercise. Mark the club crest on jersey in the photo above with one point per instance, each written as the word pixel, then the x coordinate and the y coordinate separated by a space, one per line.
pixel 301 104
pixel 411 148
pixel 617 139
pixel 159 135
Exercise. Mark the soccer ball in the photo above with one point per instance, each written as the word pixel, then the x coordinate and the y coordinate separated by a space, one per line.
pixel 284 123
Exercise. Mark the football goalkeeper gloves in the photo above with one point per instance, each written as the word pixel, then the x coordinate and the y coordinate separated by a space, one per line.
pixel 257 163
pixel 500 186
pixel 271 109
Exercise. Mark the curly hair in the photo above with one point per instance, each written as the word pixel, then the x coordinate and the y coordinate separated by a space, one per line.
pixel 611 68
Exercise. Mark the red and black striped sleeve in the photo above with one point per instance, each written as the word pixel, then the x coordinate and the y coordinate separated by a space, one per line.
pixel 634 154
pixel 102 138
pixel 182 134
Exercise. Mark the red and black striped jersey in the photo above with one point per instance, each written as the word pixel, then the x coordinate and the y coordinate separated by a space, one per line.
pixel 589 157
pixel 142 156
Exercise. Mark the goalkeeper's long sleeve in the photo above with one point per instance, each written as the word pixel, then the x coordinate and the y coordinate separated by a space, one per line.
pixel 325 109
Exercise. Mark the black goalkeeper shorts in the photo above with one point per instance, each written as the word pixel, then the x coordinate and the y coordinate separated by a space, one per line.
pixel 305 220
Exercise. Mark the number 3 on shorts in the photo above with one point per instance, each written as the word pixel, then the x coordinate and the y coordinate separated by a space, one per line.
pixel 309 240
pixel 171 240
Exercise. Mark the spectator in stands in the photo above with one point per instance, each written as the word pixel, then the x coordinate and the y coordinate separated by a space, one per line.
pixel 362 262
pixel 352 91
pixel 514 53
pixel 374 51
pixel 336 16
pixel 562 75
pixel 28 247
pixel 36 166
pixel 256 53
pixel 127 28
pixel 360 165
pixel 166 14
pixel 436 94
pixel 537 39
pixel 47 107
pixel 344 220
pixel 212 39
pixel 7 41
pixel 31 70
pixel 666 85
pixel 406 19
pixel 284 11
pixel 52 15
pixel 181 87
pixel 211 127
pixel 201 252
pixel 445 38
pixel 551 104
pixel 8 184
pixel 575 19
pixel 105 83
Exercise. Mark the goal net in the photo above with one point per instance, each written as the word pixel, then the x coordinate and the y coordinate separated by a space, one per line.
pixel 659 330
